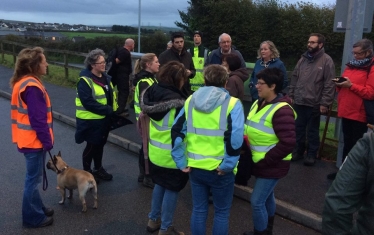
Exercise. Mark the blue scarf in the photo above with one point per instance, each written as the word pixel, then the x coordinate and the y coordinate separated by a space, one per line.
pixel 360 63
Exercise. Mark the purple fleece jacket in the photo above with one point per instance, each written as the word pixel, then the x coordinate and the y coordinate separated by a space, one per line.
pixel 37 111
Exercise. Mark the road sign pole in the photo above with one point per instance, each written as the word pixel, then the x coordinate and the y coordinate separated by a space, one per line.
pixel 353 33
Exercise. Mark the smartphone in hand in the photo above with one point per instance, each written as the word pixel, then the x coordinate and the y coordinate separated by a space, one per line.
pixel 339 79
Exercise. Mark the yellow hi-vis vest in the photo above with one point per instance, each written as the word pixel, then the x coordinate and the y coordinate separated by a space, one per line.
pixel 99 95
pixel 137 109
pixel 159 147
pixel 205 134
pixel 259 129
pixel 198 81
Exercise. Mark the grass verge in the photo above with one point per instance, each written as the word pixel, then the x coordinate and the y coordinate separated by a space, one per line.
pixel 56 74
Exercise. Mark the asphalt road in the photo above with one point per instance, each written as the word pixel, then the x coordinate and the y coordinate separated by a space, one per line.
pixel 123 203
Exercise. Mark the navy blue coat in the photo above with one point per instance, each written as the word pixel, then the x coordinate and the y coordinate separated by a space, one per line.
pixel 94 131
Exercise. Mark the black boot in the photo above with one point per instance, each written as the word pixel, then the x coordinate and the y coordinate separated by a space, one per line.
pixel 269 229
pixel 255 232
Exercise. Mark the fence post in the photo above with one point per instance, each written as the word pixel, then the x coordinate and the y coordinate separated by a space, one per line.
pixel 14 54
pixel 66 66
pixel 2 52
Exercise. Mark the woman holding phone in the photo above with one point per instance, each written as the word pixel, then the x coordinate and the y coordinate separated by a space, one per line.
pixel 356 84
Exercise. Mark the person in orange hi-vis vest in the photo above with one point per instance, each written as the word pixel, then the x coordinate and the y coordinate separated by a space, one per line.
pixel 32 132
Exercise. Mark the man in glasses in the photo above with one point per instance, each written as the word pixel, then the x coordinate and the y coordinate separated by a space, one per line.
pixel 225 47
pixel 312 91
pixel 199 55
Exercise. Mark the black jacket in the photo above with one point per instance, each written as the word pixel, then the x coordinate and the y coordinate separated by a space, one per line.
pixel 185 58
pixel 157 101
pixel 94 131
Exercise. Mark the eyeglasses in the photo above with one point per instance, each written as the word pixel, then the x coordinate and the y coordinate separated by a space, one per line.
pixel 260 83
pixel 358 53
pixel 312 42
pixel 225 42
pixel 103 62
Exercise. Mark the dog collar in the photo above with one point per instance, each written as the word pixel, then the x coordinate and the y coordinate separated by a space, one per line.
pixel 62 170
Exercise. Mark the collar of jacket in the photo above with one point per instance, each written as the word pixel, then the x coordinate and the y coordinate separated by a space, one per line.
pixel 316 55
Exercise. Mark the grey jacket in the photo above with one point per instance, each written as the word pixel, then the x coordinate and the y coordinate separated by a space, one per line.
pixel 352 191
pixel 311 82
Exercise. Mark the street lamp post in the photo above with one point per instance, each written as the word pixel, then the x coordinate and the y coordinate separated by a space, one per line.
pixel 139 26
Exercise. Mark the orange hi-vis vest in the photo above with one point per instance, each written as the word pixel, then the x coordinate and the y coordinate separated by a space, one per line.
pixel 22 133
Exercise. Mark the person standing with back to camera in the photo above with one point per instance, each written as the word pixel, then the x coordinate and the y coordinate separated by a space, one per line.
pixel 32 130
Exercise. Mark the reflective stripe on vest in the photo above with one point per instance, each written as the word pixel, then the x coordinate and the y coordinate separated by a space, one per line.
pixel 206 146
pixel 259 129
pixel 22 132
pixel 159 146
pixel 98 94
pixel 137 109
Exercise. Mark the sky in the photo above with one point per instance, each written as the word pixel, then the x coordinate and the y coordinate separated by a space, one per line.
pixel 101 12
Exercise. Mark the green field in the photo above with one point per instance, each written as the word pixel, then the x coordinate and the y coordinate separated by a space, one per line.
pixel 89 35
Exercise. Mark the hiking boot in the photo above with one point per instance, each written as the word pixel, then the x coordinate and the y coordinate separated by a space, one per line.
pixel 170 231
pixel 309 161
pixel 153 225
pixel 140 178
pixel 147 182
pixel 102 174
pixel 48 211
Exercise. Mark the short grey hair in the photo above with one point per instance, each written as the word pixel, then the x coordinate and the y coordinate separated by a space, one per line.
pixel 92 57
pixel 365 44
pixel 224 34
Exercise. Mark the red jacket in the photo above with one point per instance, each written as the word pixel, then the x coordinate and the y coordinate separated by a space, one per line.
pixel 350 100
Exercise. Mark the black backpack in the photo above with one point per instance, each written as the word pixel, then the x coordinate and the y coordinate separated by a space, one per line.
pixel 111 61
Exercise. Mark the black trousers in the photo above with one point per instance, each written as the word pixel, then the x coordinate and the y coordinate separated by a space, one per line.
pixel 353 131
pixel 92 152
pixel 123 92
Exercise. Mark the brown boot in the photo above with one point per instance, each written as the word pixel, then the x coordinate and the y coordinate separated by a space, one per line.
pixel 170 231
pixel 153 225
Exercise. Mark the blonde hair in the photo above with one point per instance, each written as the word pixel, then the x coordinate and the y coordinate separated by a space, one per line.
pixel 28 62
pixel 272 48
pixel 142 62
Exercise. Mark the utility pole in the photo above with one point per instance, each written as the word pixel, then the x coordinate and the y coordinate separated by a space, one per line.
pixel 139 26
pixel 353 33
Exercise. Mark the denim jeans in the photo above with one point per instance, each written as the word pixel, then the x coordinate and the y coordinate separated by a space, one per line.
pixel 263 202
pixel 164 202
pixel 307 126
pixel 222 188
pixel 32 212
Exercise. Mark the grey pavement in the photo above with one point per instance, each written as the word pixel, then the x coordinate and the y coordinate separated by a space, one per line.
pixel 299 195
pixel 123 203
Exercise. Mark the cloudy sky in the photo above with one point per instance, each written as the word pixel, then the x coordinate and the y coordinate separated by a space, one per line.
pixel 100 12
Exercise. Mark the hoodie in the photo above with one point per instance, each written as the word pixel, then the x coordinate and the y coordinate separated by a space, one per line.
pixel 235 84
pixel 206 100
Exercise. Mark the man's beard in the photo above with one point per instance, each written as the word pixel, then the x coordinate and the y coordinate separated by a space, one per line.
pixel 313 50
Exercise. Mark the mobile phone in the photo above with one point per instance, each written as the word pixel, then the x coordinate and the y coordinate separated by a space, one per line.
pixel 339 79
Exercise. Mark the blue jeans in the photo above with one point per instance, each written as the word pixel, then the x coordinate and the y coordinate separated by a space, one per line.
pixel 32 212
pixel 263 202
pixel 222 188
pixel 164 202
pixel 307 126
